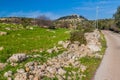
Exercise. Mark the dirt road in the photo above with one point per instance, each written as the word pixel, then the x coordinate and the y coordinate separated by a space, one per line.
pixel 110 65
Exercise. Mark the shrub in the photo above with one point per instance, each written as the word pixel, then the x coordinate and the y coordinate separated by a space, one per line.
pixel 78 36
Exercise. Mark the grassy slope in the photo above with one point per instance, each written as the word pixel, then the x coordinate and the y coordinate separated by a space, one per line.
pixel 24 40
pixel 27 40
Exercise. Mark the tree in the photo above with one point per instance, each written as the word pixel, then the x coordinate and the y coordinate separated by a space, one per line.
pixel 43 21
pixel 25 22
pixel 117 17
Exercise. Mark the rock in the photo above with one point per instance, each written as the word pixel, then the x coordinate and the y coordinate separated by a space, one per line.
pixel 97 55
pixel 27 69
pixel 92 39
pixel 60 42
pixel 83 68
pixel 2 65
pixel 61 71
pixel 29 64
pixel 1 48
pixel 2 33
pixel 20 70
pixel 31 28
pixel 94 47
pixel 8 74
pixel 17 58
pixel 14 64
pixel 7 28
pixel 65 45
pixel 20 76
pixel 50 50
pixel 31 77
pixel 36 78
pixel 9 78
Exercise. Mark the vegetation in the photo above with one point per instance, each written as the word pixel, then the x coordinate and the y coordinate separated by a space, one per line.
pixel 117 17
pixel 92 62
pixel 27 40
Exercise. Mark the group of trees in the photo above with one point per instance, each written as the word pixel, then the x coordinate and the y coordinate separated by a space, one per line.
pixel 111 24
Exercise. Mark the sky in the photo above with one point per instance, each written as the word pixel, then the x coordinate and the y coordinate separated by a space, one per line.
pixel 58 8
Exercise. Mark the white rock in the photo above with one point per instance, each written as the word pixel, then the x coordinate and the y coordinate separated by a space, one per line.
pixel 8 74
pixel 61 71
pixel 17 57
pixel 3 33
pixel 1 48
pixel 50 50
pixel 20 70
pixel 2 65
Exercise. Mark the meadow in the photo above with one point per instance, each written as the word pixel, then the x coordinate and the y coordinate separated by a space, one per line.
pixel 20 40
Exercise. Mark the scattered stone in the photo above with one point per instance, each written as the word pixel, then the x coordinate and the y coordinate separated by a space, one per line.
pixel 1 48
pixel 83 68
pixel 61 71
pixel 27 69
pixel 20 76
pixel 2 65
pixel 7 28
pixel 93 41
pixel 20 70
pixel 17 58
pixel 54 67
pixel 50 50
pixel 9 78
pixel 14 64
pixel 36 78
pixel 8 74
pixel 2 33
pixel 31 77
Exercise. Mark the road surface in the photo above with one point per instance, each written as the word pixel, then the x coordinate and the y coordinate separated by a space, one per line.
pixel 110 66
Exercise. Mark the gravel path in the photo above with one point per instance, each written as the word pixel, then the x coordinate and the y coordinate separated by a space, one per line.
pixel 110 65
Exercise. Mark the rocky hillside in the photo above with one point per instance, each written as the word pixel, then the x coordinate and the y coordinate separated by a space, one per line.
pixel 72 18
pixel 65 66
pixel 70 21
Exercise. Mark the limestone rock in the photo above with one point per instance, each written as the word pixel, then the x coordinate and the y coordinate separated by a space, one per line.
pixel 17 57
pixel 1 48
pixel 2 65
pixel 8 74
pixel 2 33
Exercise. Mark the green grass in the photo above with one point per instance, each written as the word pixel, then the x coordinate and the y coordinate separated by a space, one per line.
pixel 24 41
pixel 93 63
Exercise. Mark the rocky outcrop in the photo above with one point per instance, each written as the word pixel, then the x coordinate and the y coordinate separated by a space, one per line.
pixel 17 58
pixel 93 41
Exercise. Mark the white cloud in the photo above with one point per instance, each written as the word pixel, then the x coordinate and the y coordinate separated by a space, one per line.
pixel 33 14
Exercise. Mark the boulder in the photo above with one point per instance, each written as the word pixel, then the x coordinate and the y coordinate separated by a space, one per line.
pixel 2 65
pixel 1 48
pixel 92 39
pixel 17 58
pixel 8 74
pixel 2 33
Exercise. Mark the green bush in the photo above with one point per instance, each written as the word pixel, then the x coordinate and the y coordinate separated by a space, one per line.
pixel 78 36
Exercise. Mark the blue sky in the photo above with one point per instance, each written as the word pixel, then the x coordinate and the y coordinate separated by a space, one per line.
pixel 57 8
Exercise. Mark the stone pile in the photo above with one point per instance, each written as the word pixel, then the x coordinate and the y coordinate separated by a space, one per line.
pixel 93 40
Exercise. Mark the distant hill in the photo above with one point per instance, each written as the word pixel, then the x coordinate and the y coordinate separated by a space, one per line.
pixel 70 21
pixel 72 18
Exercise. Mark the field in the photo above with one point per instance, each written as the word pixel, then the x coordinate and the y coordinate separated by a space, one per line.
pixel 24 41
